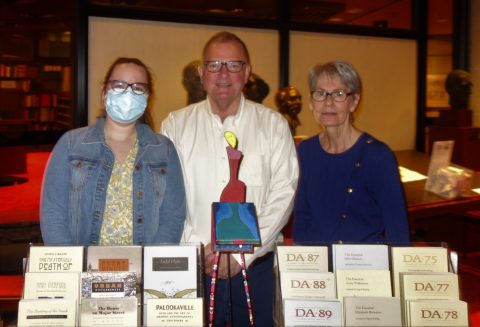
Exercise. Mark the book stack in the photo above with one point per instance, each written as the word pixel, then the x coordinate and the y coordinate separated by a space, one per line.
pixel 51 288
pixel 364 285
pixel 110 288
pixel 105 289
pixel 170 292
pixel 429 293
pixel 307 289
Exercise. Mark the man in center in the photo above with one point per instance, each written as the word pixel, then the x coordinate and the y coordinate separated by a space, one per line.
pixel 269 169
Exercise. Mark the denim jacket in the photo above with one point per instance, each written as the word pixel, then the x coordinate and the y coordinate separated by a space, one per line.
pixel 76 180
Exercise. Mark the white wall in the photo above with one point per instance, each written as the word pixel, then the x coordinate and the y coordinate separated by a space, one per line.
pixel 388 70
pixel 387 66
pixel 166 48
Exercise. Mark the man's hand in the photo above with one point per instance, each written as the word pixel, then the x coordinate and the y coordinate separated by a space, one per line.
pixel 209 257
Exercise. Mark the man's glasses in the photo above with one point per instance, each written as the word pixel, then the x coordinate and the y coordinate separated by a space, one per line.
pixel 233 66
pixel 337 95
pixel 121 86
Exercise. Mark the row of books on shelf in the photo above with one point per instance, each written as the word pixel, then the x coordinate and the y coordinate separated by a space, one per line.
pixel 112 286
pixel 367 285
pixel 20 77
pixel 40 100
pixel 23 85
pixel 19 71
pixel 26 71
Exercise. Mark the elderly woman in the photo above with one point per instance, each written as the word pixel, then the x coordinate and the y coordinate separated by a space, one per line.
pixel 350 189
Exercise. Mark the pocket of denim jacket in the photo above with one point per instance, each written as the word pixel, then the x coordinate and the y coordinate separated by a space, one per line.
pixel 159 173
pixel 81 170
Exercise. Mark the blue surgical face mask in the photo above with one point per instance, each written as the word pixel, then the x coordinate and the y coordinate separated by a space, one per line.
pixel 125 107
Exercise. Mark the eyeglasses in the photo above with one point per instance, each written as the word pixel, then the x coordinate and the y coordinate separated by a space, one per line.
pixel 233 66
pixel 337 95
pixel 121 86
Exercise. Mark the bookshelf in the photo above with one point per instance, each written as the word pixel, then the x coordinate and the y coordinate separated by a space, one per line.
pixel 38 93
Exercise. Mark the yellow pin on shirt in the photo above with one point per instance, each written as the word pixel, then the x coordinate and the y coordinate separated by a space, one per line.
pixel 231 139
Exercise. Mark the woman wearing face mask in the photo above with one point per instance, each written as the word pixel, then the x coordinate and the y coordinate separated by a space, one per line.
pixel 115 182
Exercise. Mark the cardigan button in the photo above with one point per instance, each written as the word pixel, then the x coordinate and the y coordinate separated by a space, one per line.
pixel 357 164
pixel 344 216
pixel 350 190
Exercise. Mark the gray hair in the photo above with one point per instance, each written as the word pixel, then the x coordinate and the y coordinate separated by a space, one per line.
pixel 338 68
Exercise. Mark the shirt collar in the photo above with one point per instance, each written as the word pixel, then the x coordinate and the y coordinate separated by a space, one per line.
pixel 234 119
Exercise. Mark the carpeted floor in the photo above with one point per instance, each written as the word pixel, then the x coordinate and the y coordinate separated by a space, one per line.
pixel 20 202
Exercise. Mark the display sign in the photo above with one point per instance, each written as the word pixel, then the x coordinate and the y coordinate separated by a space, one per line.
pixel 302 258
pixel 312 313
pixel 47 313
pixel 170 272
pixel 53 285
pixel 363 283
pixel 360 256
pixel 372 311
pixel 306 285
pixel 109 312
pixel 115 258
pixel 55 258
pixel 425 259
pixel 175 312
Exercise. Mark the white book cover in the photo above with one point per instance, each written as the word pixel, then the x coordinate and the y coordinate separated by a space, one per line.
pixel 109 312
pixel 372 311
pixel 102 284
pixel 170 271
pixel 302 258
pixel 445 313
pixel 312 312
pixel 307 285
pixel 47 313
pixel 55 258
pixel 54 285
pixel 413 259
pixel 115 258
pixel 429 286
pixel 175 312
pixel 363 283
pixel 360 256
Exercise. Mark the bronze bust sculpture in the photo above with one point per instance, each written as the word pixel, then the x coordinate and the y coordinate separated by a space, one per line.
pixel 289 103
pixel 458 86
pixel 256 88
pixel 192 83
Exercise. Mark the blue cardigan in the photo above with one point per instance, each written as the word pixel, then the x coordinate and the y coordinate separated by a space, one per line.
pixel 354 196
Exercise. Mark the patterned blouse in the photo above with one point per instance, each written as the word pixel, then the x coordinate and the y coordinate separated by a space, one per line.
pixel 117 219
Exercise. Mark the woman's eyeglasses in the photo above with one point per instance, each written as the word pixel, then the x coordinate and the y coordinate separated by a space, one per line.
pixel 121 86
pixel 337 95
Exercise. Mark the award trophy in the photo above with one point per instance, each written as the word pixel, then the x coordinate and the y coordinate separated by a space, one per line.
pixel 234 225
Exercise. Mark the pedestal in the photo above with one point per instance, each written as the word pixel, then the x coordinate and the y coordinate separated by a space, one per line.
pixel 455 118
